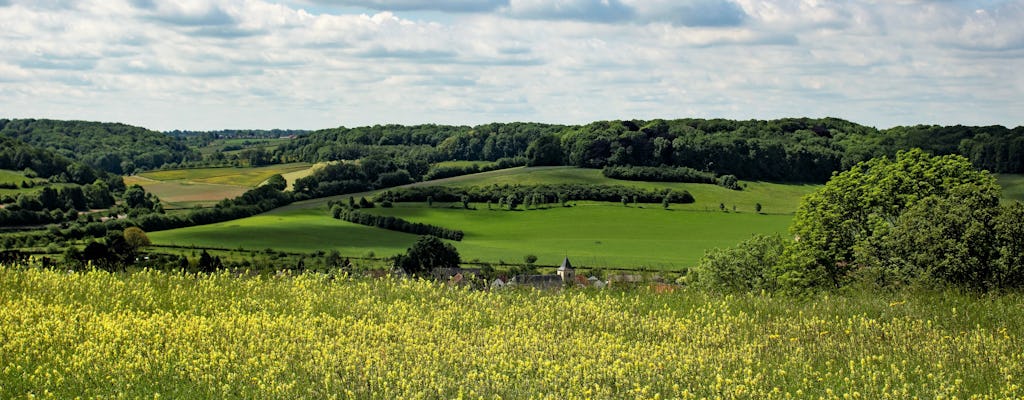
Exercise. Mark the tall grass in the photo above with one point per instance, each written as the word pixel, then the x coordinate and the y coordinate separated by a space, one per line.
pixel 146 334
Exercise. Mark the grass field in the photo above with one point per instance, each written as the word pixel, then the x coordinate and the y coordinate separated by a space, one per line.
pixel 304 230
pixel 774 197
pixel 175 336
pixel 1013 186
pixel 593 234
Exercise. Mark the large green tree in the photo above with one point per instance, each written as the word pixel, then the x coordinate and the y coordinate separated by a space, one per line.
pixel 427 253
pixel 915 211
pixel 546 150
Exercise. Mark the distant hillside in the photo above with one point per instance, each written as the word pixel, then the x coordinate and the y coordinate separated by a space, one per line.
pixel 111 147
pixel 789 149
pixel 20 156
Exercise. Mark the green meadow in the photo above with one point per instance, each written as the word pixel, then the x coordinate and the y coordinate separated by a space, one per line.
pixel 593 234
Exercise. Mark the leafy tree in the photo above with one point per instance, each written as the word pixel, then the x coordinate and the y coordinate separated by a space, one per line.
pixel 426 254
pixel 757 207
pixel 136 238
pixel 665 203
pixel 1010 245
pixel 530 259
pixel 546 150
pixel 750 266
pixel 863 208
pixel 277 182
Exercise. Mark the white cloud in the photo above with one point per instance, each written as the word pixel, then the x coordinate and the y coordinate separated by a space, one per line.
pixel 257 63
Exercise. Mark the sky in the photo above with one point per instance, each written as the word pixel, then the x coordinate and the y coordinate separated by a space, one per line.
pixel 312 64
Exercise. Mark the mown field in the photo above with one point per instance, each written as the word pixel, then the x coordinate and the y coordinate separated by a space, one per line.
pixel 593 234
pixel 249 177
pixel 163 335
pixel 186 188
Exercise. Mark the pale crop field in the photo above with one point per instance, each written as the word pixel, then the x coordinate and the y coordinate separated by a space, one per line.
pixel 247 177
pixel 169 335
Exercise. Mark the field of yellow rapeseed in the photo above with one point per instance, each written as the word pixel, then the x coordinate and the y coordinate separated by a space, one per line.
pixel 164 335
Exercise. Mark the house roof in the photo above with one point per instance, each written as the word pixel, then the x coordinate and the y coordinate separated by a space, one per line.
pixel 566 265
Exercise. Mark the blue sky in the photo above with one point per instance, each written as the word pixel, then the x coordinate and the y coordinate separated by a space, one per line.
pixel 221 64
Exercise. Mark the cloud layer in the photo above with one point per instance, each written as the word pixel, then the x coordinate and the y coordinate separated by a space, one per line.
pixel 211 64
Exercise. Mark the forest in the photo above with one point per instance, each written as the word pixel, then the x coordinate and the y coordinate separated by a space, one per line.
pixel 784 150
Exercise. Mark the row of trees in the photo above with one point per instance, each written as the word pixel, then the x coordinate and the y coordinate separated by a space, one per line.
pixel 441 172
pixel 388 222
pixel 915 219
pixel 792 149
pixel 546 194
pixel 669 174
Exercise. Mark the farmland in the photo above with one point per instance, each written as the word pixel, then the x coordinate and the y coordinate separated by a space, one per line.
pixel 594 234
pixel 185 188
pixel 153 334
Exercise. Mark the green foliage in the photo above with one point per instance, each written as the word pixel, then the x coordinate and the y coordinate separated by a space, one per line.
pixel 915 216
pixel 394 224
pixel 546 150
pixel 750 266
pixel 277 181
pixel 111 147
pixel 427 253
pixel 658 174
pixel 729 182
pixel 538 194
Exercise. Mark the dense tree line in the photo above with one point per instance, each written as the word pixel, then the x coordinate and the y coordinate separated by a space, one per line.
pixel 547 194
pixel 51 205
pixel 659 174
pixel 35 161
pixel 111 147
pixel 351 214
pixel 791 149
pixel 441 172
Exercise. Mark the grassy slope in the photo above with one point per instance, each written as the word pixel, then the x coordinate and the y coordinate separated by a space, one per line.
pixel 303 230
pixel 593 234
